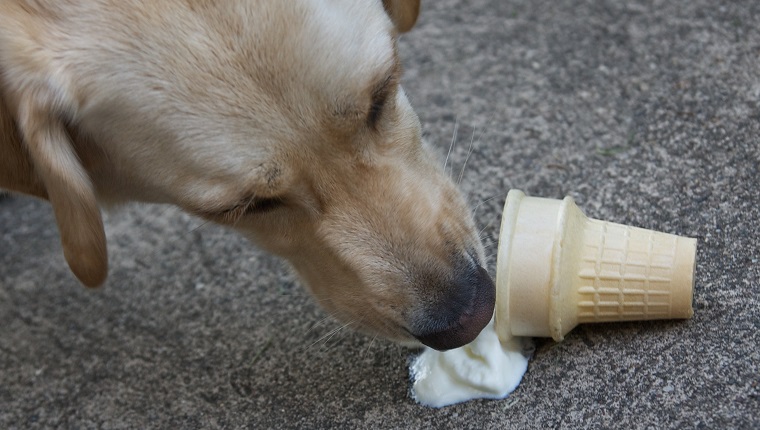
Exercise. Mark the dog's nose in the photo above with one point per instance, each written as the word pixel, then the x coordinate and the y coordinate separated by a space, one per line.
pixel 462 314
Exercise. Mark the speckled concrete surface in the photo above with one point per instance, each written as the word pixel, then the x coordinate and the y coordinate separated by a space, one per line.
pixel 646 112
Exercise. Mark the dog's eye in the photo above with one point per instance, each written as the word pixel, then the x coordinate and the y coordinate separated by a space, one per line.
pixel 258 206
pixel 379 98
pixel 255 206
pixel 376 109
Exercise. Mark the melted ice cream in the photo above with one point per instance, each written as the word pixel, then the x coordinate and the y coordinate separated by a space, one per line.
pixel 485 368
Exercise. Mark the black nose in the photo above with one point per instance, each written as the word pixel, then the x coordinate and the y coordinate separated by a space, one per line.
pixel 461 315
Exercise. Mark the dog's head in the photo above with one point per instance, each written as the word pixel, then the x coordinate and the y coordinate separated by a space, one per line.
pixel 284 120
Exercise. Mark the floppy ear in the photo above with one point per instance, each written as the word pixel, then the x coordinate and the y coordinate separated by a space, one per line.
pixel 403 13
pixel 66 184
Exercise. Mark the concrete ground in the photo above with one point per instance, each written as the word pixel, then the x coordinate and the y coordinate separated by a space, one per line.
pixel 645 111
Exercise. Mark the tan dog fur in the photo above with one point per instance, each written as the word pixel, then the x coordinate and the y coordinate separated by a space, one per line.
pixel 282 119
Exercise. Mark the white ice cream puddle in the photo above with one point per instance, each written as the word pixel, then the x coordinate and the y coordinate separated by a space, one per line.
pixel 486 368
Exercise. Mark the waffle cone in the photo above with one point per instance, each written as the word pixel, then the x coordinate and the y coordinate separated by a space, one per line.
pixel 557 268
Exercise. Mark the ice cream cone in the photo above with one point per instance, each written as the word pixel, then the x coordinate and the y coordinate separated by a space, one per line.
pixel 557 268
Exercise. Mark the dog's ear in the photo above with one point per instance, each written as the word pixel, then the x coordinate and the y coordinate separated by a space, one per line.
pixel 51 156
pixel 403 13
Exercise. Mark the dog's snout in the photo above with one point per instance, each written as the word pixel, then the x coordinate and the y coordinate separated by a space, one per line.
pixel 464 311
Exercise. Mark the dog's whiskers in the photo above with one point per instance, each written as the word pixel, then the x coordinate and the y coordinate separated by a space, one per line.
pixel 366 350
pixel 195 229
pixel 482 202
pixel 451 146
pixel 474 141
pixel 332 316
pixel 330 334
pixel 467 158
pixel 490 223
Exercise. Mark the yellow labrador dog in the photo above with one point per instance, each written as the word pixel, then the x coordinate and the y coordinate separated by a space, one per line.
pixel 282 119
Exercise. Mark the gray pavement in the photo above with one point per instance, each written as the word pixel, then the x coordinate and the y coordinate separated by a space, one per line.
pixel 645 111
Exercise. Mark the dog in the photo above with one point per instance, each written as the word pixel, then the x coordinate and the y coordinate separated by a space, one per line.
pixel 284 120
